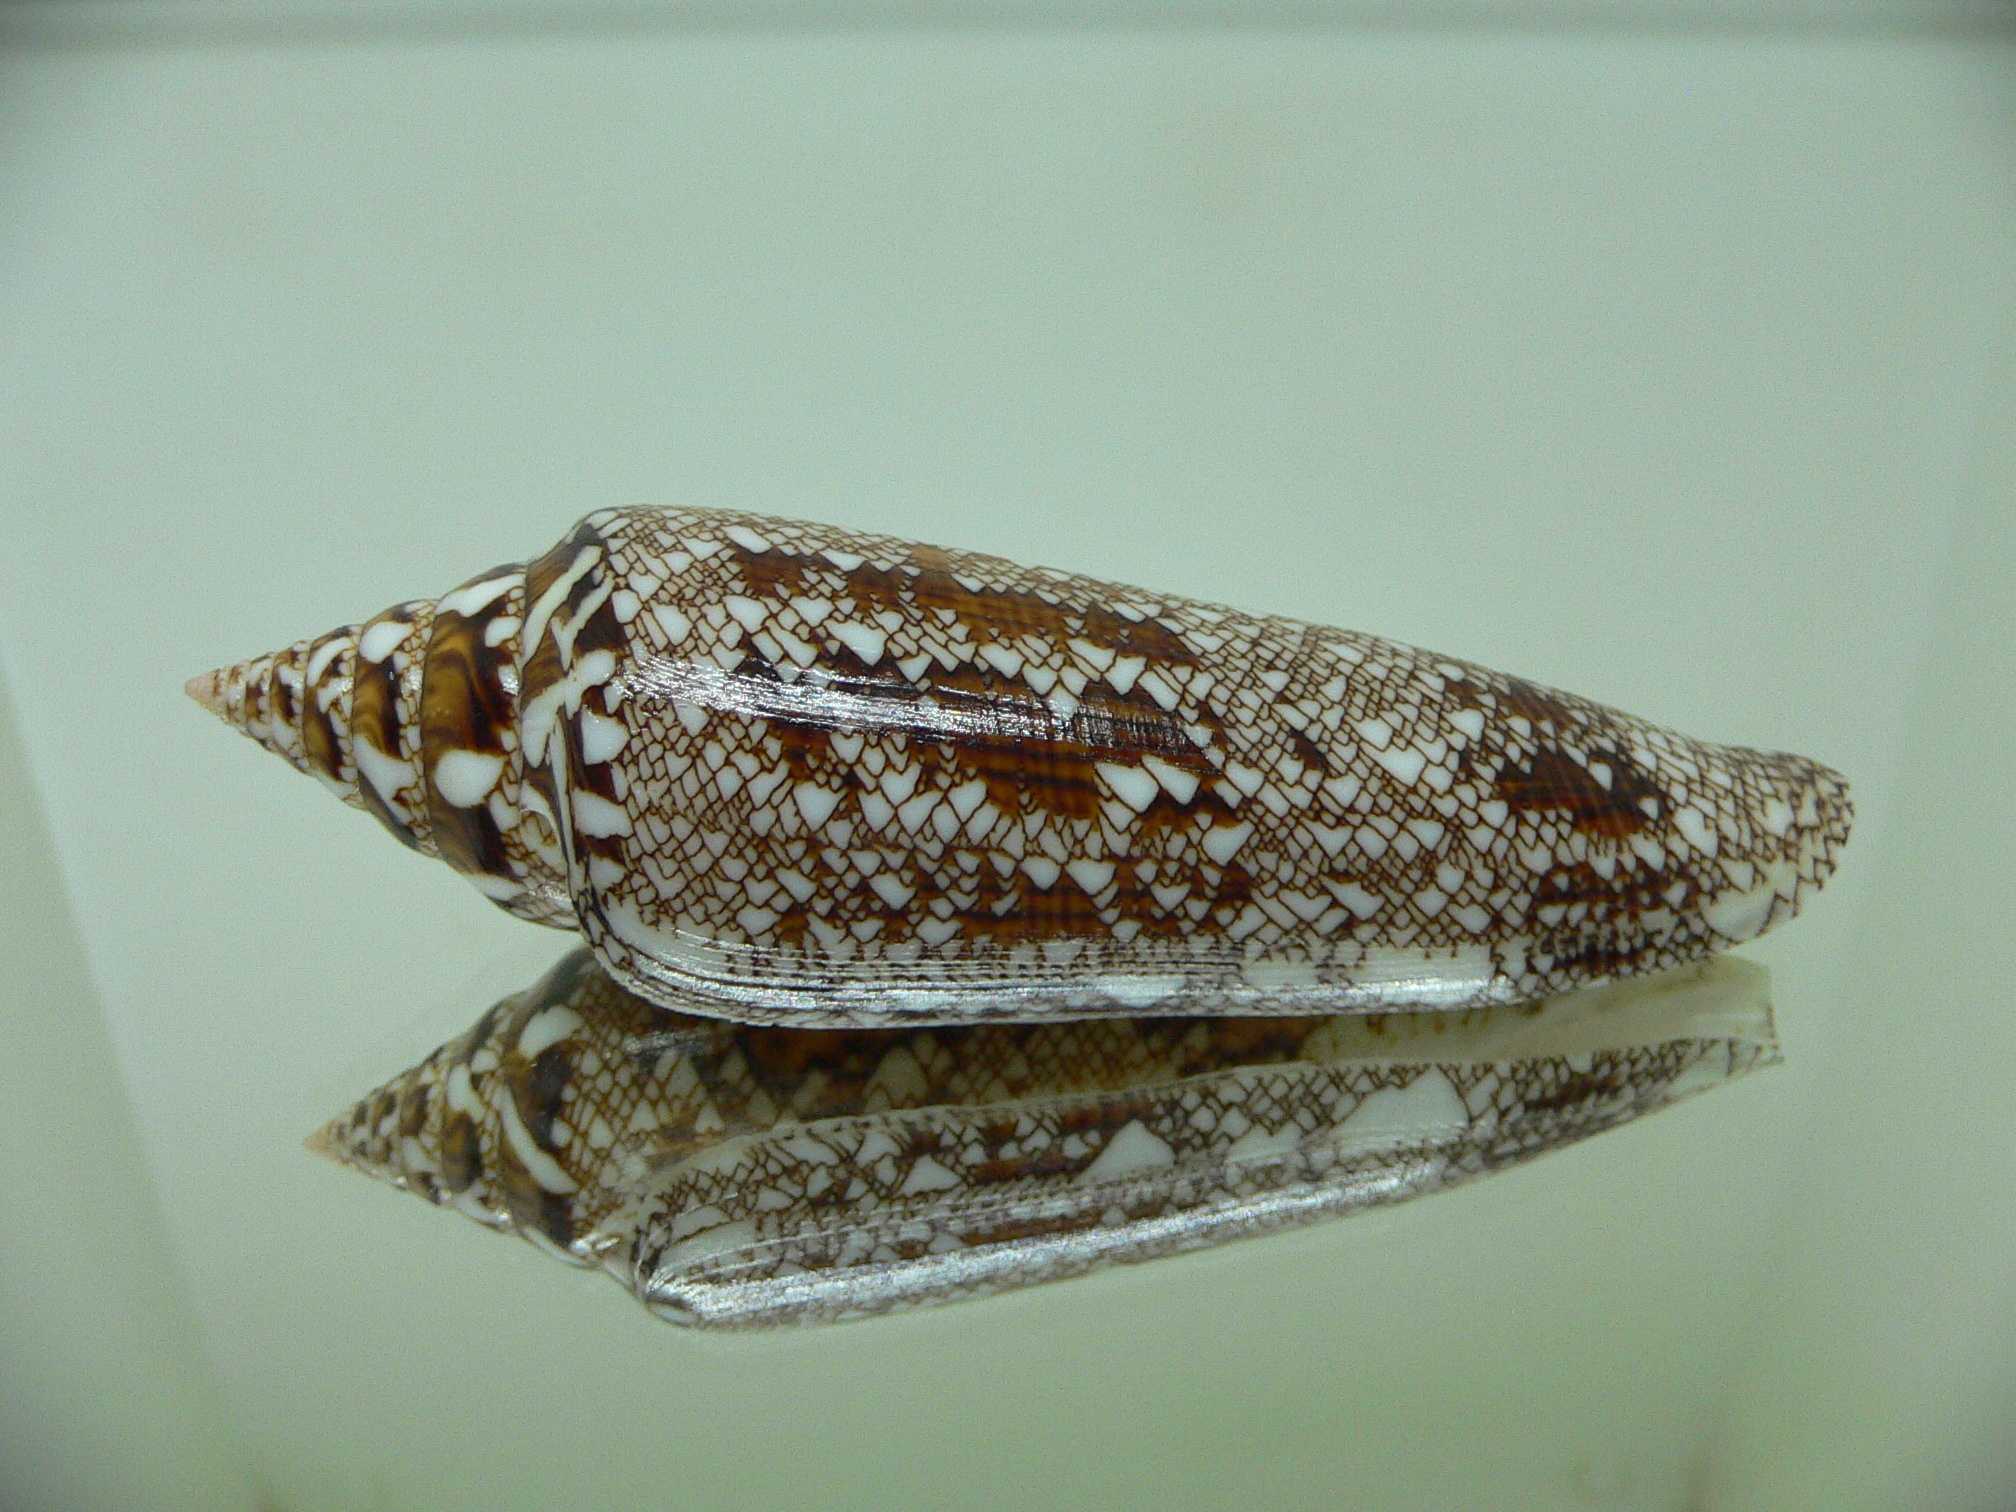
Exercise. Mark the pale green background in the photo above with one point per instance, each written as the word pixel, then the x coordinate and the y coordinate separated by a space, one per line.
pixel 1665 355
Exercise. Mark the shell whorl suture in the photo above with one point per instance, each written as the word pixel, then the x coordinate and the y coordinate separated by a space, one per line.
pixel 789 773
pixel 735 1175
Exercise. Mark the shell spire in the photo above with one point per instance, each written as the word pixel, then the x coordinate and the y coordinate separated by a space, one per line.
pixel 783 772
pixel 411 716
pixel 264 699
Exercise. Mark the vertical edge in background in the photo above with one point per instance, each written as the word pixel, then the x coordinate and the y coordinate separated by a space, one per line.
pixel 106 1396
pixel 1880 1368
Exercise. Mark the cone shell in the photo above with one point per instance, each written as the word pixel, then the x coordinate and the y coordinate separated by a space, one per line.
pixel 737 1176
pixel 788 773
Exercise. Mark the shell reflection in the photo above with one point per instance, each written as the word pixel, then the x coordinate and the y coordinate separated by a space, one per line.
pixel 733 1175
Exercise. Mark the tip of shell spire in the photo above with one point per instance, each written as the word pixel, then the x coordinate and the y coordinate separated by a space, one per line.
pixel 323 1141
pixel 207 688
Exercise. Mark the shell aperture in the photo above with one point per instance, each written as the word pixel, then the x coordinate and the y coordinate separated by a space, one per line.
pixel 793 774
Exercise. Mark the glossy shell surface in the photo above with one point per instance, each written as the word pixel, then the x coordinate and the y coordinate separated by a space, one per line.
pixel 786 772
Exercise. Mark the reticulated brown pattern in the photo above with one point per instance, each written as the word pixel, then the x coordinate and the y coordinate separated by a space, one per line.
pixel 853 779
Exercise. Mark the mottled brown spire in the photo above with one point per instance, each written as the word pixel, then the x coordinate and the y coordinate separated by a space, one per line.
pixel 267 699
pixel 411 716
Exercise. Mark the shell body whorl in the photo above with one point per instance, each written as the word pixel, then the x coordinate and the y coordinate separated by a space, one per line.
pixel 789 773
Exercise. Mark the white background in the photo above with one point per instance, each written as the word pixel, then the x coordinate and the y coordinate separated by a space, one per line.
pixel 1668 363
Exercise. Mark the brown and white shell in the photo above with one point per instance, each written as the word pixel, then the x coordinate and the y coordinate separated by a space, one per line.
pixel 789 773
pixel 732 1175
